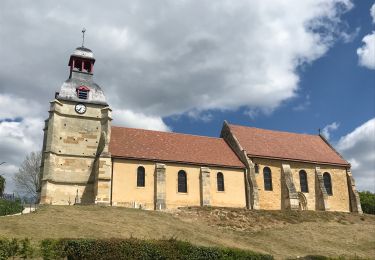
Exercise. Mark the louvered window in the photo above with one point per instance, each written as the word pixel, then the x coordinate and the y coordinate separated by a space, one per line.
pixel 83 92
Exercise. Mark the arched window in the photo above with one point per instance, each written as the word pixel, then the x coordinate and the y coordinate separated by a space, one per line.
pixel 141 176
pixel 303 181
pixel 267 175
pixel 182 182
pixel 220 181
pixel 327 183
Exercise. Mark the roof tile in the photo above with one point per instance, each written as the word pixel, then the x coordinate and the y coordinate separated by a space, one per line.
pixel 276 144
pixel 175 147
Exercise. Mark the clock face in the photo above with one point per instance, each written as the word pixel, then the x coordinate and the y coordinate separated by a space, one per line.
pixel 80 108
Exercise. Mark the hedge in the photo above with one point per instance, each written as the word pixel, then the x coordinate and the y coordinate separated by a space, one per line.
pixel 8 207
pixel 12 248
pixel 131 248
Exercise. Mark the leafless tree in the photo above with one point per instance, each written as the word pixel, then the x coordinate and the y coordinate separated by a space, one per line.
pixel 2 185
pixel 27 177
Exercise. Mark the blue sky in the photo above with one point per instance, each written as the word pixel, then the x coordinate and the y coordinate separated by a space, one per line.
pixel 186 66
pixel 332 89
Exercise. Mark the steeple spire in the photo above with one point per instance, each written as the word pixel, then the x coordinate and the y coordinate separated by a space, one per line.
pixel 83 36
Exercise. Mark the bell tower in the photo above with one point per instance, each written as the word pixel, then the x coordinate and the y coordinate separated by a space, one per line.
pixel 76 164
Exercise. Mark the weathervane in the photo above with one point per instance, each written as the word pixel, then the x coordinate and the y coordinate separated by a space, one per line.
pixel 83 36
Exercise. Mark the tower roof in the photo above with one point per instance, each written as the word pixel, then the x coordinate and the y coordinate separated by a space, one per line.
pixel 82 53
pixel 81 64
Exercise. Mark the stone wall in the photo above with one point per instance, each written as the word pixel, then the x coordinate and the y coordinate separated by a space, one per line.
pixel 316 200
pixel 125 191
pixel 70 155
pixel 161 185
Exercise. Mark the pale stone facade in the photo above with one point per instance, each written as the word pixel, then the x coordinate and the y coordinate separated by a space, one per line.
pixel 78 167
pixel 161 191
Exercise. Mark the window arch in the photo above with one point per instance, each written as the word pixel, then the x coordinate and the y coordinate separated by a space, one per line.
pixel 182 181
pixel 327 183
pixel 267 176
pixel 303 181
pixel 220 181
pixel 141 176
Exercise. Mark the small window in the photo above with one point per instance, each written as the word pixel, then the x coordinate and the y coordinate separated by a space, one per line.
pixel 83 92
pixel 182 182
pixel 141 176
pixel 267 175
pixel 220 181
pixel 327 183
pixel 303 181
pixel 256 168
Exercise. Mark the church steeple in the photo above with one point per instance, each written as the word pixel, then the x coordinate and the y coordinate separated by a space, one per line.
pixel 82 60
pixel 80 86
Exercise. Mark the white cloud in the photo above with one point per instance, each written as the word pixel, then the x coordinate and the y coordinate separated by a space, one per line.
pixel 359 148
pixel 17 140
pixel 326 131
pixel 372 12
pixel 162 59
pixel 366 53
pixel 138 120
pixel 12 107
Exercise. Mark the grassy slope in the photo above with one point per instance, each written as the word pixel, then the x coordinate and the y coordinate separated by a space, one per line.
pixel 278 233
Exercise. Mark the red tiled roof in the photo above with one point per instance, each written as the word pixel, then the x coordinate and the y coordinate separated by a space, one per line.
pixel 171 147
pixel 276 144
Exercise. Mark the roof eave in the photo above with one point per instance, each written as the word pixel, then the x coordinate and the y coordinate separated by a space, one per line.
pixel 179 162
pixel 298 160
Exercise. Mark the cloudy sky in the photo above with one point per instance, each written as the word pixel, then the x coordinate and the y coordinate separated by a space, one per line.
pixel 185 66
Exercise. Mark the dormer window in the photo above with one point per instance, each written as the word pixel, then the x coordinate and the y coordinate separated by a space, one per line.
pixel 83 92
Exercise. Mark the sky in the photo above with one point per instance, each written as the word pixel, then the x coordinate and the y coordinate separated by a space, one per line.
pixel 186 66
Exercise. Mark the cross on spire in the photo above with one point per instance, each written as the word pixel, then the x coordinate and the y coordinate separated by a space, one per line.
pixel 83 36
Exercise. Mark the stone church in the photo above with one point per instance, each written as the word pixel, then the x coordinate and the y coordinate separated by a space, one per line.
pixel 87 160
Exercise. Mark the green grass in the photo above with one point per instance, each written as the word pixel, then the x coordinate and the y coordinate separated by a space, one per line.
pixel 282 234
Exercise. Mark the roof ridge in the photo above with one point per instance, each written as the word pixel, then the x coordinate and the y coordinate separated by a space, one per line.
pixel 277 131
pixel 172 133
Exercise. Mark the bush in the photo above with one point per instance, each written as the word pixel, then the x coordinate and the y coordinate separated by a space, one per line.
pixel 367 202
pixel 138 249
pixel 14 247
pixel 8 207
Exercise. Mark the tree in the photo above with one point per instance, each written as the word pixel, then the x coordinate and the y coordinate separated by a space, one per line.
pixel 2 185
pixel 27 177
pixel 367 202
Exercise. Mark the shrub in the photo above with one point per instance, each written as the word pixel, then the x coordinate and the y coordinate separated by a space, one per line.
pixel 367 202
pixel 26 250
pixel 8 207
pixel 138 249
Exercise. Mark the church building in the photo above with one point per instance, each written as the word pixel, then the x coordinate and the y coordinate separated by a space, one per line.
pixel 86 160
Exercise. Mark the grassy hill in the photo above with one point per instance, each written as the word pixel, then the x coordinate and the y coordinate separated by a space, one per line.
pixel 282 234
